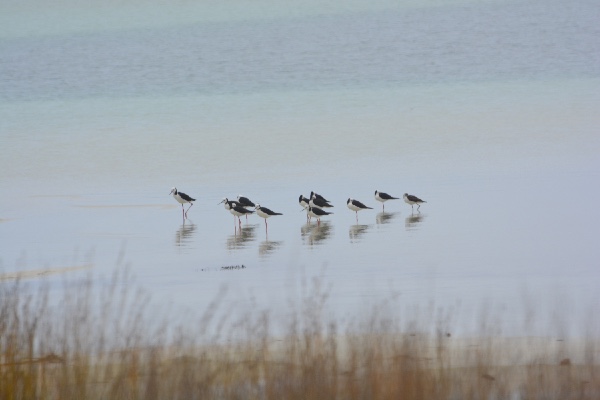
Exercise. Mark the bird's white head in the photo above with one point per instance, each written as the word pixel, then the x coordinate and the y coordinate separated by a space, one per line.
pixel 173 190
pixel 257 206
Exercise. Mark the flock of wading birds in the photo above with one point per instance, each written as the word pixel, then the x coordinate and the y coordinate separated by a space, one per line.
pixel 316 205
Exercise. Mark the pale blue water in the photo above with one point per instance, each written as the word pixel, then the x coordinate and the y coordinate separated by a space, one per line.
pixel 488 110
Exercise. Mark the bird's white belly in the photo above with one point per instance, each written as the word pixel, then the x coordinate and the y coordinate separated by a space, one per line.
pixel 262 214
pixel 179 199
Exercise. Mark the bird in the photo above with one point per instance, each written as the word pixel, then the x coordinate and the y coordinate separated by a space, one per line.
pixel 182 198
pixel 265 213
pixel 356 206
pixel 229 205
pixel 412 200
pixel 318 196
pixel 238 211
pixel 383 197
pixel 318 202
pixel 317 213
pixel 244 201
pixel 303 201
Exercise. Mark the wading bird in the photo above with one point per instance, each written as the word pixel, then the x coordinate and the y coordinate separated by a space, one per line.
pixel 317 213
pixel 412 200
pixel 182 198
pixel 356 206
pixel 383 197
pixel 318 201
pixel 265 213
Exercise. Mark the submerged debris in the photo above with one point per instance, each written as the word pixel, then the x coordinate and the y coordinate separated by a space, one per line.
pixel 224 268
pixel 229 267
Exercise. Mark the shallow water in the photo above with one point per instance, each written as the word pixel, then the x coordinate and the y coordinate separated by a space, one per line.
pixel 495 126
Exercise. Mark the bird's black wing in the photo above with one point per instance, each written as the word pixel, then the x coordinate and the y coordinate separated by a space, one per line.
pixel 185 196
pixel 242 210
pixel 318 211
pixel 268 211
pixel 386 196
pixel 415 199
pixel 359 204
pixel 321 203
pixel 246 201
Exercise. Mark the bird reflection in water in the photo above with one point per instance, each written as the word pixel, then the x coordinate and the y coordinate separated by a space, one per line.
pixel 183 235
pixel 315 233
pixel 267 247
pixel 241 237
pixel 385 218
pixel 412 222
pixel 356 231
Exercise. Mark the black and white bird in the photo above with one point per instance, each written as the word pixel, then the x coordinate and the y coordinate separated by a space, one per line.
pixel 318 196
pixel 182 198
pixel 412 200
pixel 265 213
pixel 244 201
pixel 383 197
pixel 356 206
pixel 303 201
pixel 229 204
pixel 318 202
pixel 238 211
pixel 317 213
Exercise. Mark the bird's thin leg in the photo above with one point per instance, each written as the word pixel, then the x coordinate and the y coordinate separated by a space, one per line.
pixel 191 204
pixel 418 207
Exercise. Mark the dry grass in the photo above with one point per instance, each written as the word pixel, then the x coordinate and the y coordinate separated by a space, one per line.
pixel 110 343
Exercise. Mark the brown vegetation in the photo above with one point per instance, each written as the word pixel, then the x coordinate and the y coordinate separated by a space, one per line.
pixel 108 343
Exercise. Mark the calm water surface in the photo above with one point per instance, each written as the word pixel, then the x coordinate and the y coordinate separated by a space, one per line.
pixel 486 110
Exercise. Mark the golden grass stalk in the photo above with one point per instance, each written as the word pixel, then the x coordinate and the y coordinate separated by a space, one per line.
pixel 109 342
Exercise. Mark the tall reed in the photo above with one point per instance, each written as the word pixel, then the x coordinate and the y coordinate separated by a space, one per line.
pixel 109 341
